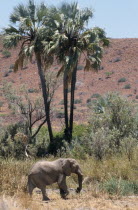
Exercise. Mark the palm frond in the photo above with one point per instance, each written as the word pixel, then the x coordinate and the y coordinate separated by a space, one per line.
pixel 11 40
pixel 11 30
pixel 25 23
pixel 32 9
pixel 19 11
pixel 41 12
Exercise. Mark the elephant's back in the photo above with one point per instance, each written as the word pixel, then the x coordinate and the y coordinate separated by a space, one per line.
pixel 43 166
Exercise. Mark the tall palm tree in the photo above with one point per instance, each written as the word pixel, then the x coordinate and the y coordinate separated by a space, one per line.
pixel 70 41
pixel 27 31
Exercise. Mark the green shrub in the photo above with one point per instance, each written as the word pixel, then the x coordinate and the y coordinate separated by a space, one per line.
pixel 6 54
pixel 61 102
pixel 60 115
pixel 41 142
pixel 128 145
pixel 108 74
pixel 136 96
pixel 6 74
pixel 1 104
pixel 79 67
pixel 32 90
pixel 11 66
pixel 128 86
pixel 112 120
pixel 96 95
pixel 123 79
pixel 88 100
pixel 79 130
pixel 121 187
pixel 13 145
pixel 10 70
pixel 77 101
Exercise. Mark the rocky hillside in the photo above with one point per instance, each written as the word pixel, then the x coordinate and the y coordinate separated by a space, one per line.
pixel 118 72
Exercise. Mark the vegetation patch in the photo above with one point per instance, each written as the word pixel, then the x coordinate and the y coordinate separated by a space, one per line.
pixel 6 74
pixel 77 101
pixel 121 187
pixel 127 86
pixel 108 74
pixel 96 95
pixel 60 115
pixel 32 90
pixel 123 79
pixel 6 54
pixel 61 102
pixel 80 67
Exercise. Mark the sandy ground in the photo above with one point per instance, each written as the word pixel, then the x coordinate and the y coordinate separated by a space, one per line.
pixel 84 201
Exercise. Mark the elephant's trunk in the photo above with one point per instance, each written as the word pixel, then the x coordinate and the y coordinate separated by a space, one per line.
pixel 80 178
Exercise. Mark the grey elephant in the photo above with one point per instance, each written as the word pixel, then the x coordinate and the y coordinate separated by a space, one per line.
pixel 45 173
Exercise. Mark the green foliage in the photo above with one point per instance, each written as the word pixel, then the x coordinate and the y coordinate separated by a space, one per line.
pixel 77 101
pixel 32 90
pixel 128 145
pixel 11 66
pixel 41 142
pixel 108 74
pixel 6 54
pixel 96 95
pixel 123 79
pixel 1 104
pixel 127 86
pixel 6 74
pixel 61 102
pixel 79 67
pixel 121 187
pixel 79 130
pixel 11 147
pixel 88 100
pixel 136 96
pixel 60 114
pixel 112 127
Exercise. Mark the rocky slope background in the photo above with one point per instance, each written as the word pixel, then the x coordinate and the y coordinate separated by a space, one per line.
pixel 118 72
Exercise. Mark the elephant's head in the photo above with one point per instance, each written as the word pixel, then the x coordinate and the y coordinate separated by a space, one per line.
pixel 71 166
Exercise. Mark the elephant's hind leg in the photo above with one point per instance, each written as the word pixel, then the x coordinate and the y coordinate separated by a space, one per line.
pixel 30 188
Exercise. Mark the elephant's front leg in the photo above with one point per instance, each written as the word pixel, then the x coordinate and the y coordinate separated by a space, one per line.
pixel 45 198
pixel 63 186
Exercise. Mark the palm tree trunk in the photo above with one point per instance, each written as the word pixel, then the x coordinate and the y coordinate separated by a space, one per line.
pixel 45 96
pixel 65 90
pixel 73 83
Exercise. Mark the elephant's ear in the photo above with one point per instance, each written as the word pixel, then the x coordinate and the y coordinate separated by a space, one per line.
pixel 66 166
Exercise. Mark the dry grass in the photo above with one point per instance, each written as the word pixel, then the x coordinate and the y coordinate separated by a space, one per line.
pixel 13 179
pixel 84 201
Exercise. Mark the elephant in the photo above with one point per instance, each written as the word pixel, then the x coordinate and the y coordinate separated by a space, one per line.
pixel 45 173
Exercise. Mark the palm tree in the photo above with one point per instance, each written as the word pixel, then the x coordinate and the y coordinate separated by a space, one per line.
pixel 27 31
pixel 71 39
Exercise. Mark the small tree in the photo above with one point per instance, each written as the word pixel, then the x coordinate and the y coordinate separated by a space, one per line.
pixel 32 110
